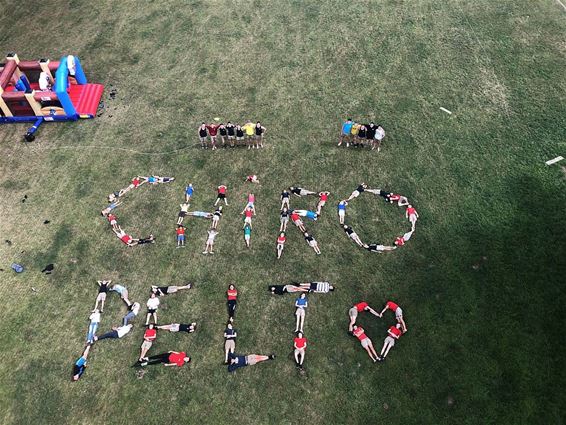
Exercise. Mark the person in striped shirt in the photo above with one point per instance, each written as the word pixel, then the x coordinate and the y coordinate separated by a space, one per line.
pixel 317 287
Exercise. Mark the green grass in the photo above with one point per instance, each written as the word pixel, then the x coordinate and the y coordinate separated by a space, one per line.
pixel 480 282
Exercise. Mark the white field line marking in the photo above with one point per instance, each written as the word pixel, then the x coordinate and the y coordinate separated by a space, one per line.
pixel 554 161
pixel 445 110
pixel 561 4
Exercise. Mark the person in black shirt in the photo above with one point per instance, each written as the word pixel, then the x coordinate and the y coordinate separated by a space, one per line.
pixel 362 187
pixel 354 236
pixel 370 133
pixel 230 335
pixel 284 219
pixel 223 133
pixel 102 290
pixel 230 129
pixel 299 191
pixel 202 134
pixel 259 133
pixel 362 133
pixel 284 199
pixel 239 134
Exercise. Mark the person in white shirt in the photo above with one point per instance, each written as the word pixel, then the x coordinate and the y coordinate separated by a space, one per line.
pixel 152 306
pixel 93 326
pixel 116 332
pixel 44 81
pixel 210 242
pixel 379 135
pixel 134 310
pixel 183 212
pixel 71 65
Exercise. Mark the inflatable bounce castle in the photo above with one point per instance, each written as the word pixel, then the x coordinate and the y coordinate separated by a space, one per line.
pixel 38 91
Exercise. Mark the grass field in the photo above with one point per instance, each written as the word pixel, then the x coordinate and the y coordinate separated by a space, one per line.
pixel 481 282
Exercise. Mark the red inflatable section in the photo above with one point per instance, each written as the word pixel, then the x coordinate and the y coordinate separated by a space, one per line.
pixel 86 98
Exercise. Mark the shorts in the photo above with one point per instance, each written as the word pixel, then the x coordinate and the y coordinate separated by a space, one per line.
pixel 300 351
pixel 365 342
pixel 355 193
pixel 398 313
pixel 221 195
pixel 151 310
pixel 280 246
pixel 113 223
pixel 182 213
pixel 240 138
pixel 353 313
pixel 322 203
pixel 248 220
pixel 210 241
pixel 202 139
pixel 341 213
pixel 300 312
pixel 174 327
pixel 124 294
pixel 101 296
pixel 250 205
pixel 184 328
pixel 312 243
pixel 230 344
pixel 230 137
pixel 146 345
pixel 390 341
pixel 180 237
pixel 251 359
pixel 247 237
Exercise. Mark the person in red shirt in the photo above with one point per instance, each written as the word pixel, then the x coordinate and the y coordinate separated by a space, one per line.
pixel 399 241
pixel 124 237
pixel 398 314
pixel 298 222
pixel 171 358
pixel 180 236
pixel 252 179
pixel 280 244
pixel 232 295
pixel 221 194
pixel 322 201
pixel 412 215
pixel 212 132
pixel 358 308
pixel 148 337
pixel 359 333
pixel 300 345
pixel 393 334
pixel 113 220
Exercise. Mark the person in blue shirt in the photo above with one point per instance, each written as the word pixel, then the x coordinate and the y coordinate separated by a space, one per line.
pixel 345 134
pixel 236 361
pixel 189 192
pixel 301 304
pixel 307 213
pixel 80 365
pixel 123 292
pixel 342 210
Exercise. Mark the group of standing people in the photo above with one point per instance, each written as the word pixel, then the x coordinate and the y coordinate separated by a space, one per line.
pixel 249 134
pixel 393 198
pixel 393 333
pixel 286 214
pixel 357 134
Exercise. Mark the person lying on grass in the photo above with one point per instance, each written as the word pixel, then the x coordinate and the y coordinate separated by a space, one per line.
pixel 179 327
pixel 283 219
pixel 113 220
pixel 180 236
pixel 301 305
pixel 216 217
pixel 171 358
pixel 247 234
pixel 281 244
pixel 299 191
pixel 93 325
pixel 394 333
pixel 296 219
pixel 317 287
pixel 158 179
pixel 149 336
pixel 312 242
pixel 412 215
pixel 230 335
pixel 300 345
pixel 134 310
pixel 152 306
pixel 342 210
pixel 116 332
pixel 358 308
pixel 306 213
pixel 236 361
pixel 167 290
pixel 208 248
pixel 232 300
pixel 124 237
pixel 373 247
pixel 285 199
pixel 354 236
pixel 361 188
pixel 390 305
pixel 323 197
pixel 252 179
pixel 250 204
pixel 123 292
pixel 103 287
pixel 248 214
pixel 201 214
pixel 359 333
pixel 80 365
pixel 109 208
pixel 183 212
pixel 189 192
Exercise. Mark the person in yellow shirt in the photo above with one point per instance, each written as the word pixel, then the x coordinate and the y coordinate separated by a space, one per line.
pixel 249 129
